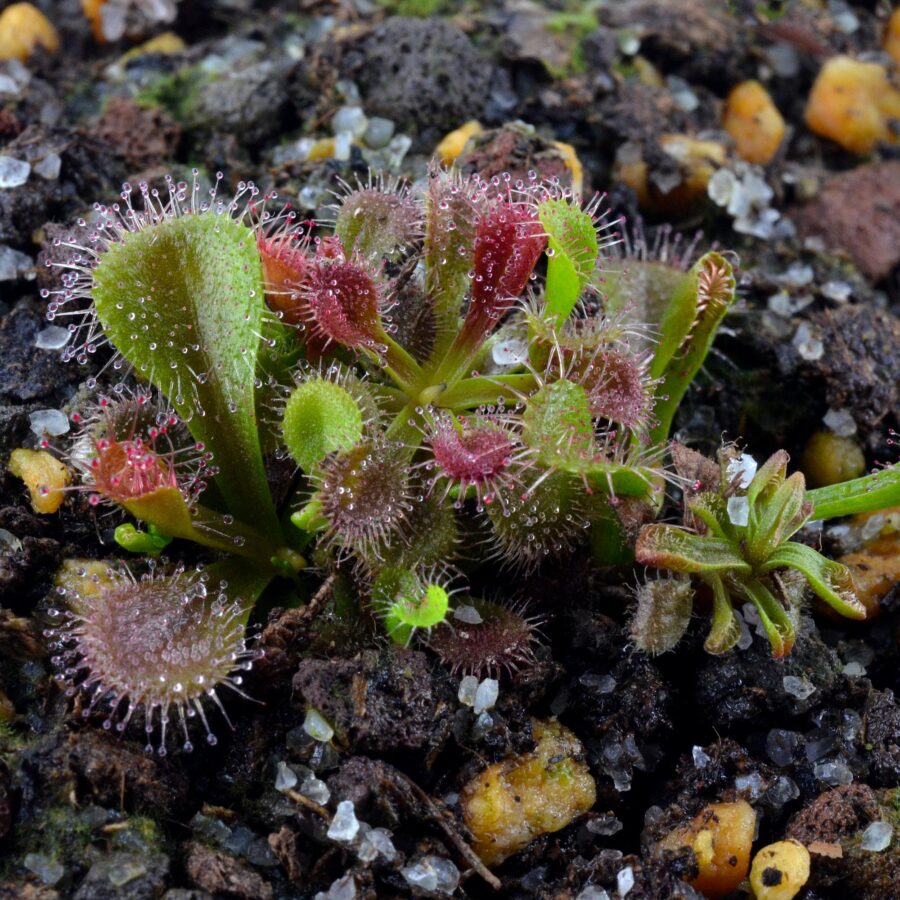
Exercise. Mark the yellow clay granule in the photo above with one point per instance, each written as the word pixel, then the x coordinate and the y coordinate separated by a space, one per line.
pixel 23 28
pixel 44 476
pixel 754 123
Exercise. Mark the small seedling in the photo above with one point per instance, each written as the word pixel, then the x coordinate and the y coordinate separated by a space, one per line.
pixel 737 541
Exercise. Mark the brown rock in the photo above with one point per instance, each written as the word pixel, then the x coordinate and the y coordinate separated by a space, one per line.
pixel 517 150
pixel 861 365
pixel 834 818
pixel 224 876
pixel 144 137
pixel 107 772
pixel 858 213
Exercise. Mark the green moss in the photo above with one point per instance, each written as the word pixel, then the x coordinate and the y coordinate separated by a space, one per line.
pixel 11 742
pixel 421 8
pixel 176 93
pixel 59 832
pixel 574 27
pixel 137 834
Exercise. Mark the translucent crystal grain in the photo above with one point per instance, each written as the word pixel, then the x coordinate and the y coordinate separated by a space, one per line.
pixel 342 889
pixel 840 421
pixel 807 343
pixel 592 892
pixel 344 826
pixel 838 291
pixel 8 539
pixel 721 186
pixel 434 874
pixel 738 510
pixel 486 695
pixel 14 264
pixel 317 726
pixel 743 468
pixel 782 791
pixel 13 172
pixel 625 881
pixel 780 746
pixel 834 773
pixel 285 777
pixel 467 614
pixel 605 825
pixel 45 867
pixel 468 687
pixel 378 132
pixel 877 837
pixel 48 168
pixel 750 785
pixel 798 687
pixel 53 337
pixel 315 789
pixel 350 119
pixel 48 422
pixel 509 353
pixel 380 839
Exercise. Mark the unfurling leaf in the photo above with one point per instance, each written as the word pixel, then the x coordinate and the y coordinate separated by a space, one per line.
pixel 688 329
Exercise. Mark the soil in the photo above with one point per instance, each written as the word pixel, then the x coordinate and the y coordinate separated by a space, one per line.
pixel 89 815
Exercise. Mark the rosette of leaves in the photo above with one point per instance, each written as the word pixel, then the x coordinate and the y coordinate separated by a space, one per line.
pixel 736 540
pixel 366 350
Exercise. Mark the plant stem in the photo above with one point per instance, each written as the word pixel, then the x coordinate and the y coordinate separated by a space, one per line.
pixel 469 392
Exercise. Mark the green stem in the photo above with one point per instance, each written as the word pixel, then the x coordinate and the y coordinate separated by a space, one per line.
pixel 400 365
pixel 401 431
pixel 483 390
pixel 877 491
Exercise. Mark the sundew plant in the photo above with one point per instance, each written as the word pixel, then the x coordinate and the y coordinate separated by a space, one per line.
pixel 448 380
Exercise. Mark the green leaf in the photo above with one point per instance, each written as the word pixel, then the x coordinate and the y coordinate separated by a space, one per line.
pixel 725 630
pixel 879 490
pixel 182 301
pixel 450 219
pixel 571 256
pixel 769 477
pixel 830 580
pixel 778 518
pixel 558 426
pixel 150 542
pixel 668 547
pixel 623 480
pixel 688 329
pixel 778 623
pixel 375 222
pixel 321 417
pixel 309 518
pixel 710 509
pixel 407 602
pixel 244 581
